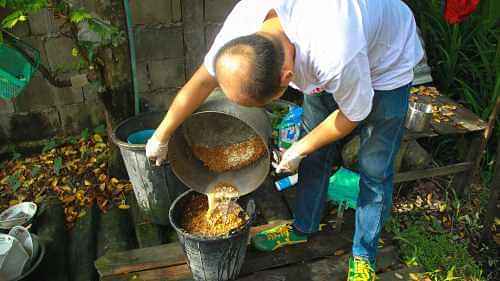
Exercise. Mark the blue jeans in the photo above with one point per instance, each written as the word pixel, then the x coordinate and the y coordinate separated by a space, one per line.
pixel 380 135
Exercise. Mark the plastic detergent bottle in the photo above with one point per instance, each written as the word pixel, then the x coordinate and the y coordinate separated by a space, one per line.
pixel 286 182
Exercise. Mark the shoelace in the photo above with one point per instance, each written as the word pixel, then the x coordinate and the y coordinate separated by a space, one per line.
pixel 282 231
pixel 362 270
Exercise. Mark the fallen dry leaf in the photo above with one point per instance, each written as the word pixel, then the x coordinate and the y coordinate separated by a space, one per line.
pixel 80 183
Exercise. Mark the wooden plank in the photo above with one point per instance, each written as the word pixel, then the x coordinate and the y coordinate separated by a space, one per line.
pixel 172 273
pixel 140 259
pixel 152 257
pixel 330 268
pixel 414 135
pixel 433 172
pixel 155 266
pixel 468 120
pixel 336 268
pixel 323 244
pixel 494 194
pixel 485 137
pixel 462 181
pixel 403 274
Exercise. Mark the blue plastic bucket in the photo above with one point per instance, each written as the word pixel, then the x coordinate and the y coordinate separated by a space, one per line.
pixel 140 137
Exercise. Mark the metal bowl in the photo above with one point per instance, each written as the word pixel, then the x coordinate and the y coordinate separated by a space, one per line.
pixel 19 214
pixel 218 122
pixel 418 116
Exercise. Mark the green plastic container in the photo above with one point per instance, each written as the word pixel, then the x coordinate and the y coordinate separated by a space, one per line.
pixel 343 188
pixel 15 69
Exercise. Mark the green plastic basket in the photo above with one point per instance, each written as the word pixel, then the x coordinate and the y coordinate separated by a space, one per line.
pixel 16 69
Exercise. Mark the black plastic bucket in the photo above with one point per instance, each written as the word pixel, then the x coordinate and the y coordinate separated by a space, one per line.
pixel 210 258
pixel 155 187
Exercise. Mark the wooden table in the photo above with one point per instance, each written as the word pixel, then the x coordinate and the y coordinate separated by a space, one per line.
pixel 463 123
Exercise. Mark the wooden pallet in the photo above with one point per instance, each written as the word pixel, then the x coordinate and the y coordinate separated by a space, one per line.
pixel 167 262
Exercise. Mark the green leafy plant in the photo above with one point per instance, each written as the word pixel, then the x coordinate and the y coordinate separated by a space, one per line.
pixel 11 20
pixel 20 10
pixel 14 182
pixel 85 134
pixel 57 165
pixel 104 34
pixel 79 15
pixel 442 256
pixel 465 57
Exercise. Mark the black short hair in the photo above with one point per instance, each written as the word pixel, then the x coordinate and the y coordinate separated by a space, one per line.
pixel 266 56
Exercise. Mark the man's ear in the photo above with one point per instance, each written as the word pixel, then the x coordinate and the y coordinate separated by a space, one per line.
pixel 286 77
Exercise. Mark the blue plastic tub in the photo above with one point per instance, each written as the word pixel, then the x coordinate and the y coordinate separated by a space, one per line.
pixel 140 137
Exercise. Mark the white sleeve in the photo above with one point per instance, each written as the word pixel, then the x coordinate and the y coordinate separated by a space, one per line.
pixel 352 88
pixel 234 26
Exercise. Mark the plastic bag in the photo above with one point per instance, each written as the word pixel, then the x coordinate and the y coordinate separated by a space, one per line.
pixel 289 128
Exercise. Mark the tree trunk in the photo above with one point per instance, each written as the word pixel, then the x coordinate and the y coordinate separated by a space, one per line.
pixel 116 74
pixel 492 207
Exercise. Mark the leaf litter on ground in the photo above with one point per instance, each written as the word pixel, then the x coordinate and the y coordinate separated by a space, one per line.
pixel 73 169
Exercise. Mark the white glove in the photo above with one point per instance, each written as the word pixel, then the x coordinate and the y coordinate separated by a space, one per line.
pixel 156 150
pixel 290 161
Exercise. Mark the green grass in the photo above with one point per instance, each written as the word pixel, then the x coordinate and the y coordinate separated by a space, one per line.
pixel 441 255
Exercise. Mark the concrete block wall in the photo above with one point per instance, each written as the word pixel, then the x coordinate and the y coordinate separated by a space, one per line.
pixel 171 37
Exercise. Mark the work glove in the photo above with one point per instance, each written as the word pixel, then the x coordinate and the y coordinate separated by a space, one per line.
pixel 156 150
pixel 289 162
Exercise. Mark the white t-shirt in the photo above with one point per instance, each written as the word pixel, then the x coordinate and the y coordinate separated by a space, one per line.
pixel 345 47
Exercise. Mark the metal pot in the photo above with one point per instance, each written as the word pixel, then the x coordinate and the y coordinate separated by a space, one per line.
pixel 418 117
pixel 219 121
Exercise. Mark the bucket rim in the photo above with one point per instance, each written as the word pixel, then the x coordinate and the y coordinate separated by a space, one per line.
pixel 124 144
pixel 196 237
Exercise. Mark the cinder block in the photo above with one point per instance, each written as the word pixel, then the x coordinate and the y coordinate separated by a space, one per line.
pixel 160 100
pixel 40 95
pixel 176 11
pixel 143 76
pixel 167 73
pixel 21 29
pixel 43 22
pixel 194 33
pixel 211 30
pixel 38 43
pixel 159 43
pixel 30 125
pixel 217 10
pixel 91 92
pixel 75 117
pixel 151 11
pixel 59 54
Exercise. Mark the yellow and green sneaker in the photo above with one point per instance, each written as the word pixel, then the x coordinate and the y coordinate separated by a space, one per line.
pixel 282 235
pixel 360 270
